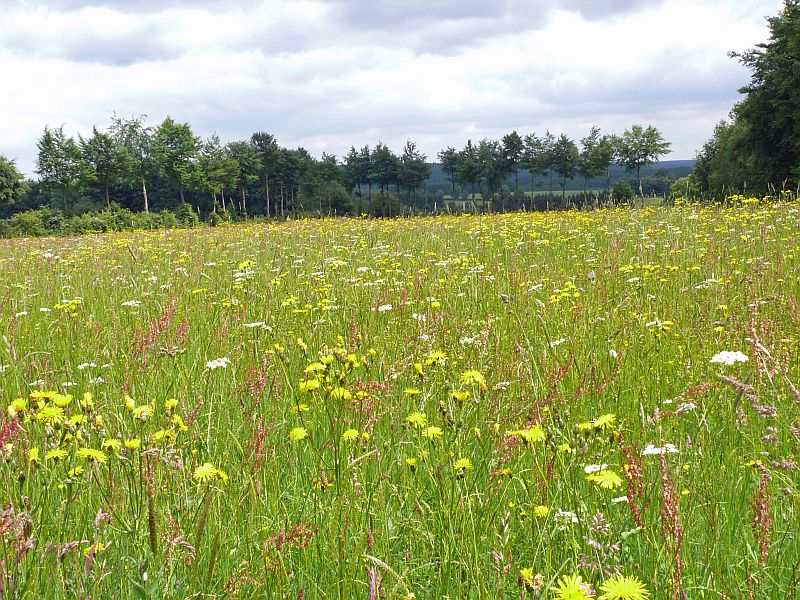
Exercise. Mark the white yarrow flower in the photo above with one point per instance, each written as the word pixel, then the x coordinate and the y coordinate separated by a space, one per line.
pixel 384 308
pixel 726 357
pixel 218 363
pixel 650 450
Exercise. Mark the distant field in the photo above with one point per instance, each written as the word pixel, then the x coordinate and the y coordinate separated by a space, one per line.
pixel 523 405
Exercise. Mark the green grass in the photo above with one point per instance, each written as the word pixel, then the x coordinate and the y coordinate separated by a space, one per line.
pixel 537 344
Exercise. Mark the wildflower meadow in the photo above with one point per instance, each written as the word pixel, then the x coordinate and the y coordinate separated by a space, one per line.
pixel 582 404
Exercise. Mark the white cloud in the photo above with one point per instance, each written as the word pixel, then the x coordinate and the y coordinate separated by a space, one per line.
pixel 328 74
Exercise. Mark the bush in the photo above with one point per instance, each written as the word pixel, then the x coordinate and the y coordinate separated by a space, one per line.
pixel 186 215
pixel 622 191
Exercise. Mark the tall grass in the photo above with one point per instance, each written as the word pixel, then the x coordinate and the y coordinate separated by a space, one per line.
pixel 434 407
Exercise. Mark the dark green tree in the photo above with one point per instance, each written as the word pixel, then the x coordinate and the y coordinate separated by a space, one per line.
pixel 448 158
pixel 770 112
pixel 385 167
pixel 639 147
pixel 175 150
pixel 105 160
pixel 59 164
pixel 246 156
pixel 565 162
pixel 13 186
pixel 137 140
pixel 414 169
pixel 468 168
pixel 269 153
pixel 513 152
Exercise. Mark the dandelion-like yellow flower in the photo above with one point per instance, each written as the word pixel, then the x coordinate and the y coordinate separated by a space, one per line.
pixel 433 432
pixel 207 472
pixel 605 421
pixel 133 444
pixel 298 433
pixel 462 465
pixel 92 455
pixel 622 587
pixel 571 587
pixel 56 454
pixel 473 377
pixel 417 419
pixel 606 479
pixel 350 435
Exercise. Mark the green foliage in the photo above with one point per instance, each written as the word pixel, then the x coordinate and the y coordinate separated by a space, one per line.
pixel 639 147
pixel 13 186
pixel 622 191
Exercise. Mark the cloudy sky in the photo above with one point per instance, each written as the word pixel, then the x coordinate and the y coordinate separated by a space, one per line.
pixel 328 74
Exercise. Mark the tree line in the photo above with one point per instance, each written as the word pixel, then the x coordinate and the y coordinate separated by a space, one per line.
pixel 145 168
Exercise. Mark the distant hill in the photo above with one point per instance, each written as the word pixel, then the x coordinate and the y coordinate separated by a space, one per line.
pixel 674 169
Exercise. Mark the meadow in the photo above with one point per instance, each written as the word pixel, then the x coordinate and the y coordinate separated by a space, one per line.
pixel 550 405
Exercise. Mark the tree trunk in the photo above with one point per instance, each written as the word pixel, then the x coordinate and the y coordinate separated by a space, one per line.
pixel 639 179
pixel 223 199
pixel 244 201
pixel 144 193
pixel 266 182
pixel 180 191
pixel 108 197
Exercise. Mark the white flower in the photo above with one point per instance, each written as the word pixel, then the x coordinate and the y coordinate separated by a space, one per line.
pixel 726 357
pixel 131 303
pixel 21 314
pixel 613 353
pixel 45 309
pixel 589 469
pixel 650 449
pixel 384 308
pixel 254 325
pixel 619 499
pixel 97 380
pixel 419 317
pixel 218 363
pixel 557 342
pixel 86 365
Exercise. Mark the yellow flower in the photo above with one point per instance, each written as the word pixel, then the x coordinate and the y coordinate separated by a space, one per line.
pixel 529 581
pixel 622 587
pixel 112 444
pixel 436 357
pixel 177 421
pixel 143 412
pixel 129 403
pixel 297 434
pixel 133 444
pixel 92 455
pixel 351 435
pixel 471 377
pixel 571 587
pixel 50 415
pixel 606 479
pixel 299 408
pixel 170 405
pixel 18 404
pixel 308 386
pixel 418 369
pixel 417 419
pixel 411 463
pixel 460 396
pixel 55 454
pixel 411 392
pixel 208 472
pixel 605 421
pixel 432 432
pixel 541 511
pixel 462 465
pixel 532 434
pixel 33 456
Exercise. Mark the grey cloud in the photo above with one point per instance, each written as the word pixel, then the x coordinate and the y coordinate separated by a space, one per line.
pixel 147 43
pixel 598 9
